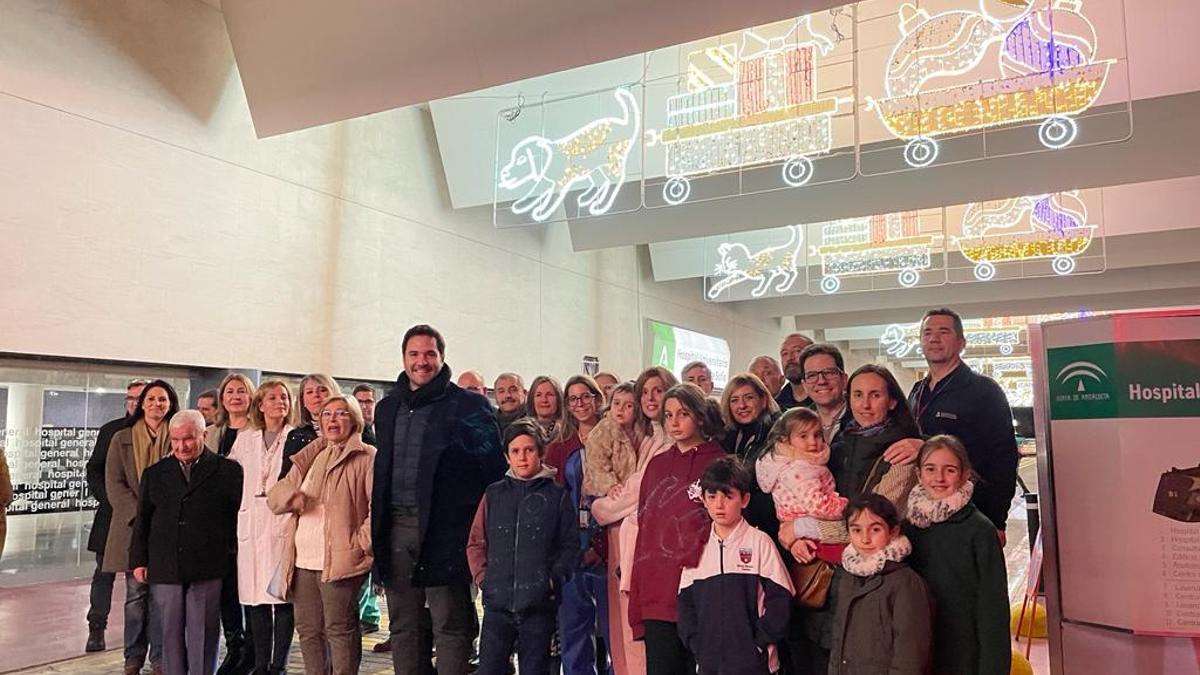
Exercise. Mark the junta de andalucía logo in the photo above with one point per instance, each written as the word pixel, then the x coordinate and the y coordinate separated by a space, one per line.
pixel 1081 372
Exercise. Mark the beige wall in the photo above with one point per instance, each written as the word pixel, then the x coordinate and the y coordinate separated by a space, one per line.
pixel 142 220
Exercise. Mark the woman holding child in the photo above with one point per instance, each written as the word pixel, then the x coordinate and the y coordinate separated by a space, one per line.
pixel 880 418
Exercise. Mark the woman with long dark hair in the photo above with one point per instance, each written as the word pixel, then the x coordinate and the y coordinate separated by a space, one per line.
pixel 133 450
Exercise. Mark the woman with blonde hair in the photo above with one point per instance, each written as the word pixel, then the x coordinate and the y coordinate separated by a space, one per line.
pixel 621 501
pixel 233 413
pixel 259 449
pixel 750 410
pixel 327 556
pixel 315 388
pixel 544 403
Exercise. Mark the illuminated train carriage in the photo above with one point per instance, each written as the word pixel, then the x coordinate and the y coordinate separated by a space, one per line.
pixel 767 114
pixel 1050 227
pixel 1047 62
pixel 873 245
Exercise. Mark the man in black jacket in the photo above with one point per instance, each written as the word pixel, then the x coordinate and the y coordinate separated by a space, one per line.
pixel 102 582
pixel 958 401
pixel 183 543
pixel 439 448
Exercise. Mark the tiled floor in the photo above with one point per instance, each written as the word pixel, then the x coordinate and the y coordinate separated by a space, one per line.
pixel 110 661
pixel 45 624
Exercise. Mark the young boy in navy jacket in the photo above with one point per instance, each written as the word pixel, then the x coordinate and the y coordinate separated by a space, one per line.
pixel 740 582
pixel 524 544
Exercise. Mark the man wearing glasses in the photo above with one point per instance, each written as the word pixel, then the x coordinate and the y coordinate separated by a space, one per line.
pixel 102 582
pixel 793 394
pixel 825 383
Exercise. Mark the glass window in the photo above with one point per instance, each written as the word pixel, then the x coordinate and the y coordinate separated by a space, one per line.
pixel 50 415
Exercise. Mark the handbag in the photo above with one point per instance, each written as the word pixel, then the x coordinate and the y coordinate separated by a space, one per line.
pixel 811 580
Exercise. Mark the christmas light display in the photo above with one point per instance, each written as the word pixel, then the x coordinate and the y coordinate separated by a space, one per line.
pixel 1025 228
pixel 1004 336
pixel 594 157
pixel 772 265
pixel 1046 58
pixel 769 112
pixel 871 245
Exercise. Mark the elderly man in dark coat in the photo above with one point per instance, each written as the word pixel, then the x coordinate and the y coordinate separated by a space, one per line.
pixel 183 541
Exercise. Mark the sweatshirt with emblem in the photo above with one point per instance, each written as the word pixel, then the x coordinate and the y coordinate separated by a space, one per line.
pixel 735 604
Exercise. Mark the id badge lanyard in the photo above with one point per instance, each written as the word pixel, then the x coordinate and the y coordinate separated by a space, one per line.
pixel 585 513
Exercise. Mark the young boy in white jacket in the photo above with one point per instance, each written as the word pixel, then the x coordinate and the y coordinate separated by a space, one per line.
pixel 741 573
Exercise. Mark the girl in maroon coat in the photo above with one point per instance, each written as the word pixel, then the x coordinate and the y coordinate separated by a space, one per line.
pixel 672 525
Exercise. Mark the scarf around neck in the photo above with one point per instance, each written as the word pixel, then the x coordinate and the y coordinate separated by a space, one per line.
pixel 430 391
pixel 869 565
pixel 853 427
pixel 924 510
pixel 147 450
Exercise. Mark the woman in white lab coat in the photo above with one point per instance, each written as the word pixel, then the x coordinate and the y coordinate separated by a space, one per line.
pixel 261 534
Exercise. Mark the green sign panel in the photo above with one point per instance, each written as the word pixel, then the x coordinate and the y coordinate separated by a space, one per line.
pixel 662 349
pixel 1125 379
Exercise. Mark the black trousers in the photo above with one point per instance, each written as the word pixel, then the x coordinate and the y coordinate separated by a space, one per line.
pixel 810 635
pixel 665 652
pixel 231 610
pixel 531 632
pixel 271 627
pixel 100 597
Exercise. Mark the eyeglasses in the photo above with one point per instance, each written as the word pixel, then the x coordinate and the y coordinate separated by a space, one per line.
pixel 340 414
pixel 580 399
pixel 817 375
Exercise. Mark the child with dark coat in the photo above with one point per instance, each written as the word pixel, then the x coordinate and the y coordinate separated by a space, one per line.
pixel 523 546
pixel 734 605
pixel 957 550
pixel 882 620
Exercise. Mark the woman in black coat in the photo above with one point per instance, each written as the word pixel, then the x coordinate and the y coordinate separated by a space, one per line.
pixel 750 411
pixel 314 389
pixel 881 417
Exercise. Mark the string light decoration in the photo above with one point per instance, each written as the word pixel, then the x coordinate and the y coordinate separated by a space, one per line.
pixel 1050 226
pixel 883 243
pixel 1003 335
pixel 776 265
pixel 767 113
pixel 1047 62
pixel 594 157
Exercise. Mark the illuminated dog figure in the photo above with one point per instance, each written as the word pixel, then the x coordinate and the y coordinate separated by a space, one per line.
pixel 774 262
pixel 595 154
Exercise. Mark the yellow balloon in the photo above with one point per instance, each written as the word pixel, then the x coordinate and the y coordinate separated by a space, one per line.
pixel 1035 613
pixel 1020 665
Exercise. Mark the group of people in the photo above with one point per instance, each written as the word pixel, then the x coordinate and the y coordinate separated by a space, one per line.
pixel 808 521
